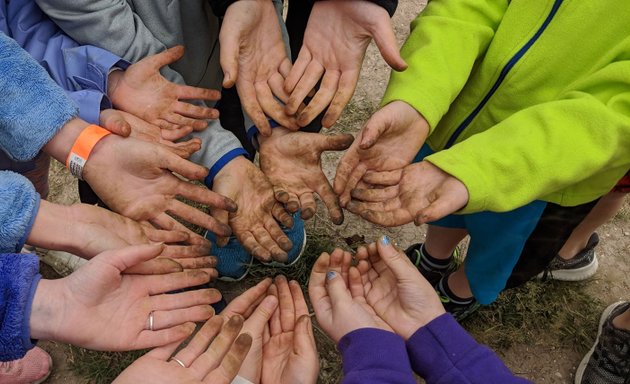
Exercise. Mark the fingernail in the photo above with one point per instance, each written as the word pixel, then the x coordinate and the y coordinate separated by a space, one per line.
pixel 331 275
pixel 385 240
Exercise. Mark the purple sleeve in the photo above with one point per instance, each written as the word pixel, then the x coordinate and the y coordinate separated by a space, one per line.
pixel 443 352
pixel 374 356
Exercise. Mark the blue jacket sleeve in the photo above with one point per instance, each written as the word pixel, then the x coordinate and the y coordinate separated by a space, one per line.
pixel 374 356
pixel 32 107
pixel 82 70
pixel 19 204
pixel 442 352
pixel 19 276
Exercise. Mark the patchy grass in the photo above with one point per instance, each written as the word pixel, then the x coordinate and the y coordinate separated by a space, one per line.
pixel 100 367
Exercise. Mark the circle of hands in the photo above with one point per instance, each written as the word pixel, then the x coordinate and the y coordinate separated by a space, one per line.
pixel 266 334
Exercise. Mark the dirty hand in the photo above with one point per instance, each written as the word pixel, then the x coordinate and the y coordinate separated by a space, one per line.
pixel 292 162
pixel 388 141
pixel 335 41
pixel 144 92
pixel 254 223
pixel 254 57
pixel 420 192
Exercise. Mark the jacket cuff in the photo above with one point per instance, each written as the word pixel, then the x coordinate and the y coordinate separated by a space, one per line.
pixel 20 276
pixel 389 5
pixel 219 7
pixel 222 162
pixel 95 74
pixel 90 104
pixel 18 211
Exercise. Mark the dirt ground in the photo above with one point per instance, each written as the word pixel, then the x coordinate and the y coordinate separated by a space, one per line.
pixel 543 358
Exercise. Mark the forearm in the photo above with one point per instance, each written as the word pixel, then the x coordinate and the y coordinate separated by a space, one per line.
pixel 443 352
pixel 445 41
pixel 53 228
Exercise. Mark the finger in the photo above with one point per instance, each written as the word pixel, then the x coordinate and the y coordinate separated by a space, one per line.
pixel 287 310
pixel 308 204
pixel 166 57
pixel 166 222
pixel 157 266
pixel 251 245
pixel 182 149
pixel 199 262
pixel 180 166
pixel 241 304
pixel 150 339
pixel 290 200
pixel 280 214
pixel 333 142
pixel 285 68
pixel 183 252
pixel 177 119
pixel 374 128
pixel 375 194
pixel 275 325
pixel 174 281
pixel 200 342
pixel 195 216
pixel 299 303
pixel 171 318
pixel 299 67
pixel 383 178
pixel 336 260
pixel 205 196
pixel 186 92
pixel 176 133
pixel 229 54
pixel 304 339
pixel 278 235
pixel 271 107
pixel 232 362
pixel 345 90
pixel 357 206
pixel 249 100
pixel 222 217
pixel 385 40
pixel 213 356
pixel 444 201
pixel 331 200
pixel 317 286
pixel 355 176
pixel 263 237
pixel 164 352
pixel 158 235
pixel 396 261
pixel 322 98
pixel 309 80
pixel 346 165
pixel 387 219
pixel 194 111
pixel 256 323
pixel 355 283
pixel 170 301
pixel 276 83
pixel 339 294
pixel 128 257
pixel 114 122
pixel 346 262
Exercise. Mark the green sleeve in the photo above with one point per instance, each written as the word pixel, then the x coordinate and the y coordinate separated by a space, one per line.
pixel 445 41
pixel 546 148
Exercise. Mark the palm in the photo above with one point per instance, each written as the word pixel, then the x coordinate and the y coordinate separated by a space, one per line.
pixel 283 364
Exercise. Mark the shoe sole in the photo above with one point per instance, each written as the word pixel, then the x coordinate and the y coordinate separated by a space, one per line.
pixel 50 364
pixel 582 367
pixel 232 279
pixel 277 264
pixel 578 274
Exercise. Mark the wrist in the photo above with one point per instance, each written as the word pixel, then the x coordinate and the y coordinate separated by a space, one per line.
pixel 99 156
pixel 276 133
pixel 60 145
pixel 46 310
pixel 235 168
pixel 52 227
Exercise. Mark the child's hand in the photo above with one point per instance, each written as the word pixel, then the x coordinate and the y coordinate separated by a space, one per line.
pixel 144 92
pixel 388 141
pixel 420 192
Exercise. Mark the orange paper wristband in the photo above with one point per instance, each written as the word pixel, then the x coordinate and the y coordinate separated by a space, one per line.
pixel 82 148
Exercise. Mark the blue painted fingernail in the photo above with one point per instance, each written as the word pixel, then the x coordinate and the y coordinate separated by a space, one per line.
pixel 385 240
pixel 331 275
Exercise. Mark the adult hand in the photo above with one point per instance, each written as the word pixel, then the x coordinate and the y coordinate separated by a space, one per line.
pixel 338 310
pixel 254 223
pixel 289 351
pixel 142 130
pixel 292 162
pixel 335 41
pixel 245 303
pixel 420 192
pixel 135 178
pixel 388 141
pixel 254 57
pixel 214 355
pixel 395 289
pixel 143 91
pixel 98 307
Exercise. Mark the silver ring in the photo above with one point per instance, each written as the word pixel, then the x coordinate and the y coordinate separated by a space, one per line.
pixel 178 361
pixel 151 321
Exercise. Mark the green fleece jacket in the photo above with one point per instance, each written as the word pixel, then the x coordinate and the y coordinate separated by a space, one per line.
pixel 540 90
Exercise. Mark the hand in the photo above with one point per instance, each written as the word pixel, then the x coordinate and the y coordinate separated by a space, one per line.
pixel 292 162
pixel 245 303
pixel 395 289
pixel 388 141
pixel 420 192
pixel 253 223
pixel 339 310
pixel 97 307
pixel 214 355
pixel 135 179
pixel 143 91
pixel 142 130
pixel 254 57
pixel 335 41
pixel 289 351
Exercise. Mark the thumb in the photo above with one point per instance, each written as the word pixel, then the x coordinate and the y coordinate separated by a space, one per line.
pixel 125 258
pixel 385 40
pixel 183 167
pixel 167 57
pixel 222 216
pixel 304 340
pixel 337 290
pixel 228 56
pixel 395 260
pixel 374 128
pixel 334 142
pixel 261 315
pixel 114 122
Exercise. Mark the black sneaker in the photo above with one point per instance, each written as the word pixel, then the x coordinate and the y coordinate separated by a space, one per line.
pixel 608 362
pixel 433 275
pixel 459 310
pixel 580 267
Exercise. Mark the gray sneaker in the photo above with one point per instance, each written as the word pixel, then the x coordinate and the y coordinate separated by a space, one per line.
pixel 608 362
pixel 580 267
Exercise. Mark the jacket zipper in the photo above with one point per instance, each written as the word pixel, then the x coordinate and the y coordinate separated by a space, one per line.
pixel 504 72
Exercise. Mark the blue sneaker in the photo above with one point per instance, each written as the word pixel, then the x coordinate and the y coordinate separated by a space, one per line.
pixel 234 260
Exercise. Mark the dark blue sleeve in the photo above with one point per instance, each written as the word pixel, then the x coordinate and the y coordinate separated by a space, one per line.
pixel 374 356
pixel 442 352
pixel 19 276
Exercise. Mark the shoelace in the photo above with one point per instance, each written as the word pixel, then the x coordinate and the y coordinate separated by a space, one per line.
pixel 615 361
